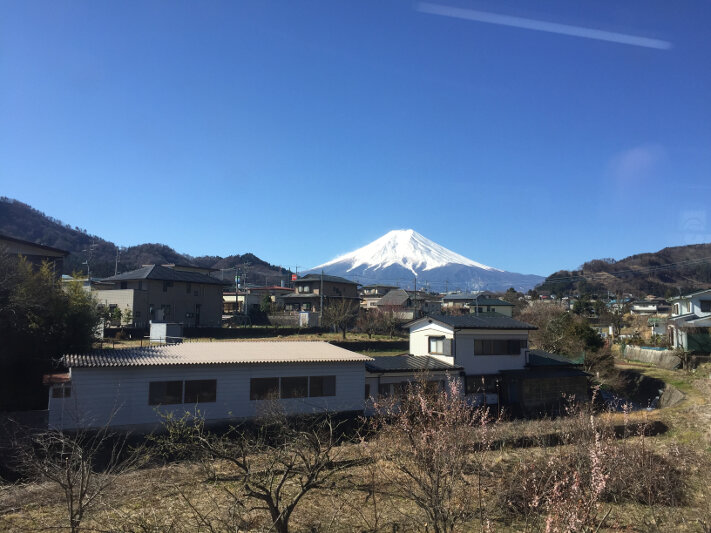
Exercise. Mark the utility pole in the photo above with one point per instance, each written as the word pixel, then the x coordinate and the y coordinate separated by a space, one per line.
pixel 320 293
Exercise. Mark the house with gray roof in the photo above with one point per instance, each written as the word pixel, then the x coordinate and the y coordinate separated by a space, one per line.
pixel 493 354
pixel 131 388
pixel 34 253
pixel 690 322
pixel 164 293
pixel 310 290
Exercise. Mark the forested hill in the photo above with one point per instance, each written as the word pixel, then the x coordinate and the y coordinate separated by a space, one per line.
pixel 22 221
pixel 664 273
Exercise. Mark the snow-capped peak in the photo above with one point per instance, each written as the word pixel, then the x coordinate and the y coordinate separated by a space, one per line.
pixel 406 248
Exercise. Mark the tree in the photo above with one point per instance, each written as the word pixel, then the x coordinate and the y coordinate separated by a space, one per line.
pixel 340 313
pixel 266 304
pixel 39 321
pixel 428 437
pixel 276 464
pixel 391 320
pixel 72 464
pixel 560 332
pixel 370 321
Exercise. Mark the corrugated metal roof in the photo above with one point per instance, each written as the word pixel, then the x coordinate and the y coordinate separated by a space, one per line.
pixel 407 363
pixel 215 353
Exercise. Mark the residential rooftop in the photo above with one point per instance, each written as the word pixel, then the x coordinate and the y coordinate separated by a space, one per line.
pixel 488 321
pixel 407 363
pixel 163 273
pixel 216 353
pixel 325 277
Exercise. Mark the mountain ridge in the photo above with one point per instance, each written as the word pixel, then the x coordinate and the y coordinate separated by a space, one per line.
pixel 405 256
pixel 22 221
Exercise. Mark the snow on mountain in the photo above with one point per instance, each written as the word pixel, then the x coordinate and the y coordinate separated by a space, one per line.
pixel 406 248
pixel 400 256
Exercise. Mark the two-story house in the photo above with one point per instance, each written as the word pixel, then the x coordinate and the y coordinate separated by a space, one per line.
pixel 690 322
pixel 164 294
pixel 371 294
pixel 311 289
pixel 409 305
pixel 491 305
pixel 496 365
pixel 35 254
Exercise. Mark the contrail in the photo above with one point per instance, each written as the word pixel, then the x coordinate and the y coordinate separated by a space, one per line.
pixel 541 25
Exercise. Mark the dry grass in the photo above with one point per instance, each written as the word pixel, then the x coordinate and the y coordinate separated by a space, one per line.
pixel 176 497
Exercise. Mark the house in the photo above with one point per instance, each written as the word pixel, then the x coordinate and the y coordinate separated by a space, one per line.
pixel 129 388
pixel 389 376
pixel 460 300
pixel 690 322
pixel 36 254
pixel 311 289
pixel 492 351
pixel 649 307
pixel 491 305
pixel 408 305
pixel 370 294
pixel 163 294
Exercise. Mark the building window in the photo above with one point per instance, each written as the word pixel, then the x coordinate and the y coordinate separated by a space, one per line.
pixel 322 386
pixel 436 345
pixel 167 284
pixel 304 288
pixel 294 387
pixel 165 392
pixel 61 391
pixel 201 391
pixel 367 391
pixel 263 388
pixel 499 346
pixel 481 384
pixel 306 306
pixel 676 309
pixel 188 288
pixel 124 284
pixel 167 311
pixel 140 285
pixel 384 390
pixel 705 306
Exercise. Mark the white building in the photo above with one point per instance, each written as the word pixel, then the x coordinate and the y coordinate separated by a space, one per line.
pixel 690 322
pixel 129 388
pixel 483 346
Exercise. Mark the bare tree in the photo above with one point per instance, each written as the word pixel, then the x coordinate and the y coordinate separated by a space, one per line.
pixel 390 320
pixel 370 321
pixel 340 313
pixel 83 465
pixel 428 436
pixel 276 464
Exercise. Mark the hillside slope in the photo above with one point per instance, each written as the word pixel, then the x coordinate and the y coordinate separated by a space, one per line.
pixel 664 273
pixel 22 221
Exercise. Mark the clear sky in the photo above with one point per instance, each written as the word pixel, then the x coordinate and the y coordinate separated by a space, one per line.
pixel 506 131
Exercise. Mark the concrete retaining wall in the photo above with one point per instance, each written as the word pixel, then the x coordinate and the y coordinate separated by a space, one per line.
pixel 661 358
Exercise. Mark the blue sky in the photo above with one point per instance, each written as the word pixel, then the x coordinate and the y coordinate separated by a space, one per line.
pixel 301 130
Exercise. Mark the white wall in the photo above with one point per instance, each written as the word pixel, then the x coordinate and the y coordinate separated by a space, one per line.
pixel 99 392
pixel 419 343
pixel 464 356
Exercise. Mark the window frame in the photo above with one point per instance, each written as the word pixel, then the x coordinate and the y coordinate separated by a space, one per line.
pixel 152 400
pixel 430 339
pixel 256 395
pixel 210 394
pixel 327 387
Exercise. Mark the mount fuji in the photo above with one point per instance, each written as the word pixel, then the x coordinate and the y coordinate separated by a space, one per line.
pixel 402 256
